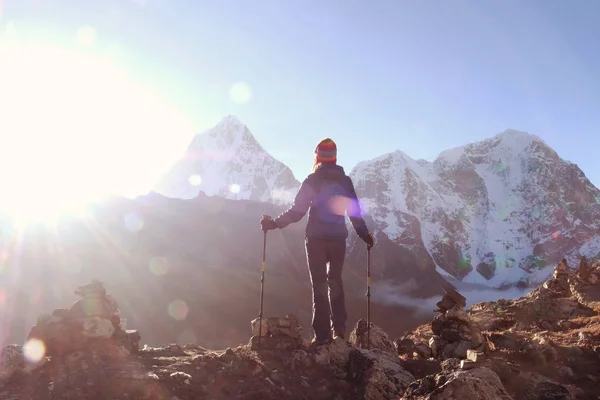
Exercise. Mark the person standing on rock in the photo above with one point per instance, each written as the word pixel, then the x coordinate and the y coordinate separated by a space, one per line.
pixel 328 195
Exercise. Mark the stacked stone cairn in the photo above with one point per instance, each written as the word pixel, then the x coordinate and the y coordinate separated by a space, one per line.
pixel 455 335
pixel 277 333
pixel 559 283
pixel 91 326
pixel 587 273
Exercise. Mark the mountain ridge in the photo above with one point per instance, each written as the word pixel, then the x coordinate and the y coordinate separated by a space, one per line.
pixel 467 212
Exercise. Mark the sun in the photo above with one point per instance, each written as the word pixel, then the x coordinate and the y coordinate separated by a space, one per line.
pixel 76 127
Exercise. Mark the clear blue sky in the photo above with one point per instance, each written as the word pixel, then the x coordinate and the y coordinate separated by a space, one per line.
pixel 420 76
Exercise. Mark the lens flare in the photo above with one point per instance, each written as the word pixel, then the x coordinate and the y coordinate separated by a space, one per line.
pixel 240 92
pixel 178 310
pixel 339 204
pixel 159 266
pixel 34 350
pixel 195 180
pixel 133 222
pixel 235 188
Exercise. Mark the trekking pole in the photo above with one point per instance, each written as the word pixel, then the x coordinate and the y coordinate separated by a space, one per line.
pixel 368 297
pixel 262 287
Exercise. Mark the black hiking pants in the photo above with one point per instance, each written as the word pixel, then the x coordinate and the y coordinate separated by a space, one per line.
pixel 329 304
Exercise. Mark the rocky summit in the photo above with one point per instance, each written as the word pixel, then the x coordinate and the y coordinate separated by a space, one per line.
pixel 545 345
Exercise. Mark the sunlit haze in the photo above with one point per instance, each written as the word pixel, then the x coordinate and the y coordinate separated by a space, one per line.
pixel 103 97
pixel 76 128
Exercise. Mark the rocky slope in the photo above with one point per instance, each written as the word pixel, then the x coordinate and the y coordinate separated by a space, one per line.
pixel 545 345
pixel 489 212
pixel 228 161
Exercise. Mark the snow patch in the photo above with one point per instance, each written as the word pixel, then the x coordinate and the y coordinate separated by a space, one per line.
pixel 489 200
pixel 231 164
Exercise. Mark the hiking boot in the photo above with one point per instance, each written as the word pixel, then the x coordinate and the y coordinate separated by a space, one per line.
pixel 319 342
pixel 340 335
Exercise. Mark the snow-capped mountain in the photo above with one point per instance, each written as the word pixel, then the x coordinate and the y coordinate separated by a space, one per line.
pixel 228 161
pixel 494 211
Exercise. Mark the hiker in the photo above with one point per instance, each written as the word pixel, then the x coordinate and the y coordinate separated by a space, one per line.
pixel 328 195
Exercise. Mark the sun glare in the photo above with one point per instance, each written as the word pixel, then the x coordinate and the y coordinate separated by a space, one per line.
pixel 75 127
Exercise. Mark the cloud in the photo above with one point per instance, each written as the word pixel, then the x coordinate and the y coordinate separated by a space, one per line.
pixel 396 294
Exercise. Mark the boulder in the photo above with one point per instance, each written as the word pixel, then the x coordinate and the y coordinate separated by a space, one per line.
pixel 96 327
pixel 275 343
pixel 377 374
pixel 336 352
pixel 14 358
pixel 547 390
pixel 450 299
pixel 377 338
pixel 471 384
pixel 277 326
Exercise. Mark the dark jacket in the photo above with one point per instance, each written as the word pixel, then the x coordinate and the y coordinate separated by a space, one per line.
pixel 328 194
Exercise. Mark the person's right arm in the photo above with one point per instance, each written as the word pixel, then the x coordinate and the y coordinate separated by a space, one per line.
pixel 302 203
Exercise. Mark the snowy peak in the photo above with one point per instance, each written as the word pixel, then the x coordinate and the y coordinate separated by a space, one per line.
pixel 488 211
pixel 506 145
pixel 227 161
pixel 229 134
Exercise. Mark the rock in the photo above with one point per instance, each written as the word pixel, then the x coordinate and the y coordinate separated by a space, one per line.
pixel 95 316
pixel 404 346
pixel 562 267
pixel 56 335
pixel 377 337
pixel 450 299
pixel 335 352
pixel 458 298
pixel 458 314
pixel 468 364
pixel 276 343
pixel 134 338
pixel 565 372
pixel 450 364
pixel 420 368
pixel 277 326
pixel 189 346
pixel 422 349
pixel 472 384
pixel 487 270
pixel 435 343
pixel 95 302
pixel 255 325
pixel 11 360
pixel 547 390
pixel 377 374
pixel 438 323
pixel 475 356
pixel 584 270
pixel 457 333
pixel 288 326
pixel 228 356
pixel 459 349
pixel 181 377
pixel 299 359
pixel 95 327
pixel 444 304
